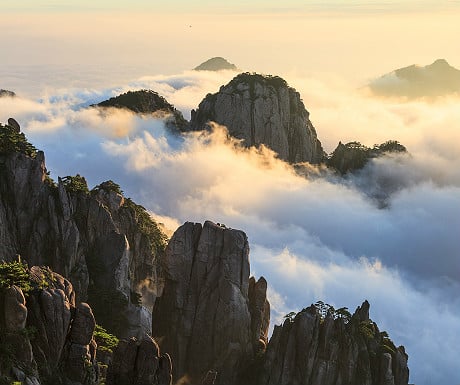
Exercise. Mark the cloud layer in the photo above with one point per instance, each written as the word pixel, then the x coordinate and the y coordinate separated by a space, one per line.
pixel 321 238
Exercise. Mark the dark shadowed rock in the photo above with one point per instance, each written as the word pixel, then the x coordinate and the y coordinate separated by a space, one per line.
pixel 147 102
pixel 56 342
pixel 354 156
pixel 204 317
pixel 139 363
pixel 14 124
pixel 262 110
pixel 7 93
pixel 216 64
pixel 315 349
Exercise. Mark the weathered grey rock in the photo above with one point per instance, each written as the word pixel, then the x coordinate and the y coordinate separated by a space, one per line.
pixel 203 319
pixel 86 237
pixel 312 350
pixel 56 340
pixel 15 311
pixel 139 363
pixel 262 110
pixel 83 325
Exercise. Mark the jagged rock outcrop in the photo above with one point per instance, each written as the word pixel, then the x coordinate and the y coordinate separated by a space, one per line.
pixel 216 64
pixel 313 349
pixel 7 93
pixel 147 102
pixel 354 156
pixel 106 245
pixel 412 82
pixel 139 363
pixel 262 110
pixel 210 317
pixel 45 337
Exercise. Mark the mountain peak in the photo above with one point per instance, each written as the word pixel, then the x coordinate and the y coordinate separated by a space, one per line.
pixel 216 64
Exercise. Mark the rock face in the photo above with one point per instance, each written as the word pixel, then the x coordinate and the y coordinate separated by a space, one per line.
pixel 216 64
pixel 51 336
pixel 354 156
pixel 147 102
pixel 262 110
pixel 312 349
pixel 139 363
pixel 211 316
pixel 436 79
pixel 106 245
pixel 7 93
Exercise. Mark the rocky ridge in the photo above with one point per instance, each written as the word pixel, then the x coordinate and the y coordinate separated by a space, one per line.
pixel 412 82
pixel 106 245
pixel 262 110
pixel 147 102
pixel 313 348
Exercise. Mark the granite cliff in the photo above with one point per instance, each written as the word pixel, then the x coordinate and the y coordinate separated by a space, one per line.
pixel 211 317
pixel 106 245
pixel 318 346
pixel 262 110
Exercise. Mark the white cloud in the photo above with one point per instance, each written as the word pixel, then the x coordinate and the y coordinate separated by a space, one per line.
pixel 321 238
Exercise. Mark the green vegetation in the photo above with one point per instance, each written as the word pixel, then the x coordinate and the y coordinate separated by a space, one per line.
pixel 367 329
pixel 76 184
pixel 12 140
pixel 105 341
pixel 354 155
pixel 147 226
pixel 15 273
pixel 252 78
pixel 324 309
pixel 109 185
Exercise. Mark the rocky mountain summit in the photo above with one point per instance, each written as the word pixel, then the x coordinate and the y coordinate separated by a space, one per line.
pixel 353 156
pixel 211 316
pixel 262 110
pixel 436 79
pixel 320 345
pixel 147 102
pixel 216 64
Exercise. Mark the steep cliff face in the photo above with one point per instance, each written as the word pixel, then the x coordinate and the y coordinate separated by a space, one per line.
pixel 106 245
pixel 263 110
pixel 45 337
pixel 314 349
pixel 211 318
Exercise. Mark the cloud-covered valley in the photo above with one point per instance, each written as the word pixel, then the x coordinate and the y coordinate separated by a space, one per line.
pixel 316 238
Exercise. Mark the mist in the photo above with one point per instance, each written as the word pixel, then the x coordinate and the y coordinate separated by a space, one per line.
pixel 317 238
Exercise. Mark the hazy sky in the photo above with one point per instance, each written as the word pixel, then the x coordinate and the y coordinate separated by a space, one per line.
pixel 42 42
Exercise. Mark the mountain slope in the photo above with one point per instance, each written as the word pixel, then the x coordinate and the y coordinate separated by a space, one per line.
pixel 436 79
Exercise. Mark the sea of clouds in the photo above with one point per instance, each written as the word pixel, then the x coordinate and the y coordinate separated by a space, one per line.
pixel 316 238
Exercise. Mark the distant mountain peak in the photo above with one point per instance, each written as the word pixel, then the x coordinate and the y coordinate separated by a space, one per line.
pixel 436 79
pixel 216 64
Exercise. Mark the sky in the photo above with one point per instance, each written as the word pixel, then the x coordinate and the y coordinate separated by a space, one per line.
pixel 317 238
